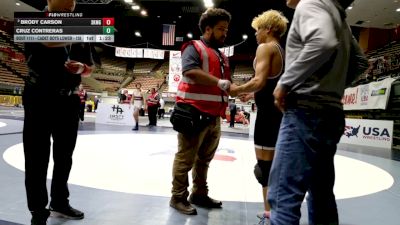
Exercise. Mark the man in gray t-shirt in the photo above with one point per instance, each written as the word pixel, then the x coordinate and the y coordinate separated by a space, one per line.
pixel 309 94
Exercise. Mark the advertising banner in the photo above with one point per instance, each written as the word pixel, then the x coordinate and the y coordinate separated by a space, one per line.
pixel 228 51
pixel 374 95
pixel 115 114
pixel 175 70
pixel 153 53
pixel 375 133
pixel 129 52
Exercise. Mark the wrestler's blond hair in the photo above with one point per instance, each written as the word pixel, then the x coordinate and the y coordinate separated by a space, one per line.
pixel 273 20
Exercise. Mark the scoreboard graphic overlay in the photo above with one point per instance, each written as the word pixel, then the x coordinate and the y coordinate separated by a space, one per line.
pixel 62 27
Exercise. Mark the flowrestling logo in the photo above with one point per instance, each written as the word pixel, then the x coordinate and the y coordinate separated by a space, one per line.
pixel 93 1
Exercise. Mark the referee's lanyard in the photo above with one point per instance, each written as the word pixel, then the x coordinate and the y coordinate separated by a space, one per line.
pixel 69 52
pixel 221 63
pixel 222 68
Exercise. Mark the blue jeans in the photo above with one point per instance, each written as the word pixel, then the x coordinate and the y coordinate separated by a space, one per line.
pixel 304 163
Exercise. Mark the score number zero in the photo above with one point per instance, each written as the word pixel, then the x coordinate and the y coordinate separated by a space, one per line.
pixel 102 22
pixel 108 26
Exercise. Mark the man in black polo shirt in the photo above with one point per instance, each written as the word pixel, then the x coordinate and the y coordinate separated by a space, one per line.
pixel 51 108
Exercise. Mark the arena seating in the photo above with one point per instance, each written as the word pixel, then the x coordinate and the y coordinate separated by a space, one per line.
pixel 147 82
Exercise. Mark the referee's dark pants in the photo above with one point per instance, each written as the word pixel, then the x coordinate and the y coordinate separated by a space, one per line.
pixel 232 118
pixel 152 112
pixel 41 124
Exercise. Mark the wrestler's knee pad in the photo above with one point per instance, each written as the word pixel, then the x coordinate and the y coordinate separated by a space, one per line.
pixel 261 171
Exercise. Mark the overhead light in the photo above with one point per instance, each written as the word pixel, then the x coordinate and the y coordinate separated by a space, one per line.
pixel 18 4
pixel 350 6
pixel 179 17
pixel 398 10
pixel 135 7
pixel 208 3
pixel 138 34
pixel 189 35
pixel 143 12
pixel 244 36
pixel 128 1
pixel 158 16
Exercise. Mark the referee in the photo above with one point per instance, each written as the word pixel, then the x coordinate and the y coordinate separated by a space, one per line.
pixel 51 108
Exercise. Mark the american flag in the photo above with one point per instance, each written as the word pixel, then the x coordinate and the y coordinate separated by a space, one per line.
pixel 168 34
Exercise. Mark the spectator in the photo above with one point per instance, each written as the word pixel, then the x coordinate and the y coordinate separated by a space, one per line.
pixel 232 113
pixel 153 101
pixel 161 110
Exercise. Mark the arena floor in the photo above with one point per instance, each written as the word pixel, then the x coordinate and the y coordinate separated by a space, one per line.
pixel 122 177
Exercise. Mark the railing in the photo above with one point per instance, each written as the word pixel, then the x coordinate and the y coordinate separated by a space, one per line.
pixel 10 100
